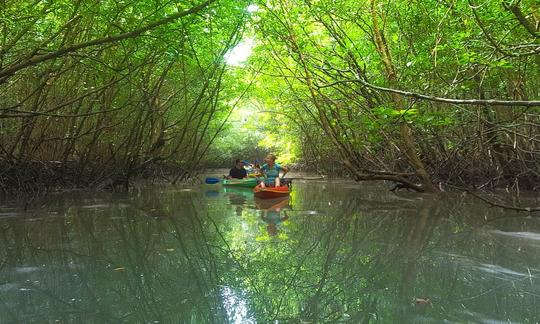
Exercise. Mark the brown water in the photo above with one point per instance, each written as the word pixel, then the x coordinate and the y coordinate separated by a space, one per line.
pixel 334 252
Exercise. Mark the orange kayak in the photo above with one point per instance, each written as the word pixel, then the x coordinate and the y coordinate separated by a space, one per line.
pixel 271 192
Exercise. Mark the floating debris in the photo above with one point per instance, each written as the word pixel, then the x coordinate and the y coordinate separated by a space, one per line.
pixel 421 301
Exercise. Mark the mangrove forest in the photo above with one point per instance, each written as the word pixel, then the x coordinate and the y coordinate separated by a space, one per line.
pixel 269 161
pixel 421 94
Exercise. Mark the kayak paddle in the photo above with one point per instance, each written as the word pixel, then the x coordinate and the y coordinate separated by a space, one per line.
pixel 212 180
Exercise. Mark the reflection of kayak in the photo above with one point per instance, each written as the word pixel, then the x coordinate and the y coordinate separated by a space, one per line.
pixel 238 193
pixel 245 183
pixel 271 192
pixel 211 193
pixel 272 204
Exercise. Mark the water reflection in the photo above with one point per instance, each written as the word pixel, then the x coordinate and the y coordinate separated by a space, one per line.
pixel 333 252
pixel 273 212
pixel 238 198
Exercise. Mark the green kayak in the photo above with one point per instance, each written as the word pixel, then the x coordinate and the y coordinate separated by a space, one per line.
pixel 244 183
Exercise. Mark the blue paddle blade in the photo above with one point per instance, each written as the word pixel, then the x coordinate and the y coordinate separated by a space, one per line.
pixel 211 180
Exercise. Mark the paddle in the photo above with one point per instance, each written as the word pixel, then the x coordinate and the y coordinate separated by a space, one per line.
pixel 212 180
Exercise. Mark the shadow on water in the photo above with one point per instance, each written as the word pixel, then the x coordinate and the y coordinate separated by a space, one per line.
pixel 332 252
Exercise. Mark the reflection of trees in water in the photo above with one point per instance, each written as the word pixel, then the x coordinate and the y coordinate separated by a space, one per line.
pixel 238 198
pixel 358 256
pixel 364 258
pixel 151 263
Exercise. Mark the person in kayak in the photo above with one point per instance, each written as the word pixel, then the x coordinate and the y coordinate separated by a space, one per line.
pixel 238 171
pixel 257 169
pixel 248 166
pixel 270 171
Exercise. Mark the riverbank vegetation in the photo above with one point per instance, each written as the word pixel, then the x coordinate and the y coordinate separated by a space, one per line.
pixel 94 93
pixel 424 94
pixel 421 93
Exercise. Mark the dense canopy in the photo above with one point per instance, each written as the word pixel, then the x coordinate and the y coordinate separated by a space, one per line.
pixel 422 93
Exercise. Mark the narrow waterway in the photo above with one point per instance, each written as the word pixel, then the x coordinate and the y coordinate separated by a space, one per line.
pixel 335 251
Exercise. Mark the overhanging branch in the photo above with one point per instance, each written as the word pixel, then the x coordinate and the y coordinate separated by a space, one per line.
pixel 487 102
pixel 10 70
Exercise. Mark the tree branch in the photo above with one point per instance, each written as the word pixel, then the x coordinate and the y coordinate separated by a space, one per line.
pixel 514 8
pixel 488 102
pixel 524 209
pixel 10 70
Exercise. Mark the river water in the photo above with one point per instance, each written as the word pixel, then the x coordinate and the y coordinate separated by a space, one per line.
pixel 335 251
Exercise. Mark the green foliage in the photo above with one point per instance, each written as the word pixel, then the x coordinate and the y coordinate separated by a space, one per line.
pixel 312 51
pixel 162 95
pixel 167 94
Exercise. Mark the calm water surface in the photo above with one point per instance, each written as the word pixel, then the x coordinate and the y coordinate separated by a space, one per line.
pixel 334 252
